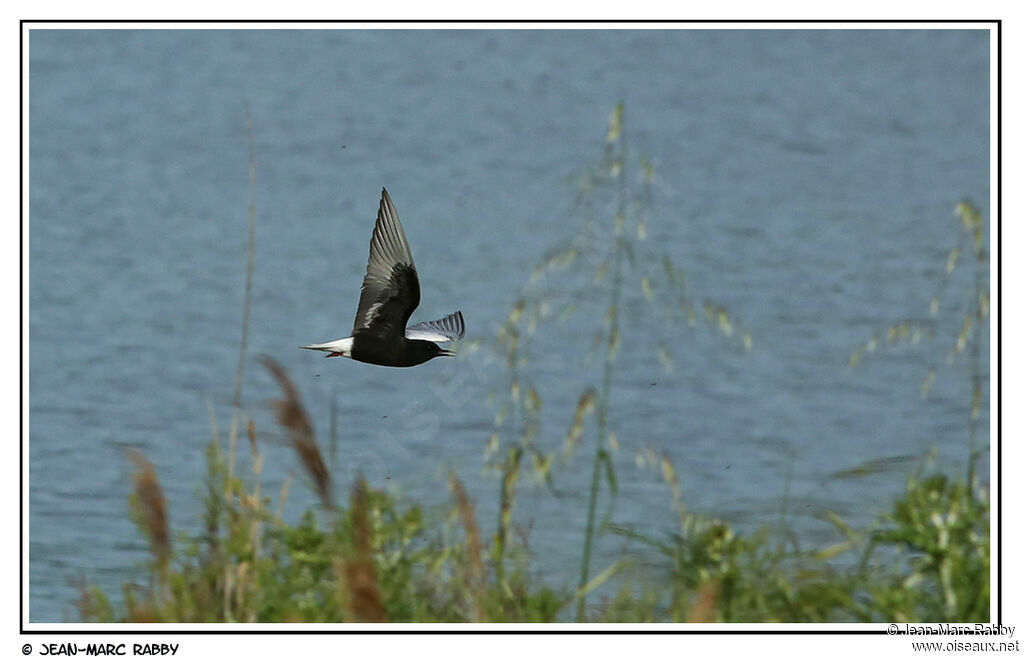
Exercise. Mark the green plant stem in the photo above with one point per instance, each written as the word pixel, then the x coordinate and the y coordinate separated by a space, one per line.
pixel 975 365
pixel 602 418
pixel 606 380
pixel 510 472
pixel 595 484
pixel 250 248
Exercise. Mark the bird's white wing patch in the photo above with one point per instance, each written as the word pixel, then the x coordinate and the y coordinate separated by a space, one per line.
pixel 371 312
pixel 445 329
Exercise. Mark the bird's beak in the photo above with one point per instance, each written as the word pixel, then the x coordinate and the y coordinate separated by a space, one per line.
pixel 445 352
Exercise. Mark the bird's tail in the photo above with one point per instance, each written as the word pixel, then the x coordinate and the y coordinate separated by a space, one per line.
pixel 342 347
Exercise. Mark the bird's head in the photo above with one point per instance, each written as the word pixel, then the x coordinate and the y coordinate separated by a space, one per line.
pixel 424 350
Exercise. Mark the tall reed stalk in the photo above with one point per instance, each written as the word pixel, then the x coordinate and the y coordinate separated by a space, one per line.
pixel 603 261
pixel 616 141
pixel 249 257
pixel 975 318
pixel 967 342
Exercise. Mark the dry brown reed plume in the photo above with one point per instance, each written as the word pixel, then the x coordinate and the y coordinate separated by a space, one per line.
pixel 142 613
pixel 250 431
pixel 703 609
pixel 476 563
pixel 363 596
pixel 291 415
pixel 151 507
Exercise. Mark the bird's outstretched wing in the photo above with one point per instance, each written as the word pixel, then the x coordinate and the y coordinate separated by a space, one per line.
pixel 391 288
pixel 445 329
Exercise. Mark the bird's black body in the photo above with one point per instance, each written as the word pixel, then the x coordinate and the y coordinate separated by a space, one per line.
pixel 391 292
pixel 370 348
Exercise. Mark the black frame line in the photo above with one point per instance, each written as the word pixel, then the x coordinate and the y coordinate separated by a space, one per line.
pixel 27 23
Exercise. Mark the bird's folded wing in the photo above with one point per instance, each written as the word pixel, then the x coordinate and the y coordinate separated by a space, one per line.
pixel 445 329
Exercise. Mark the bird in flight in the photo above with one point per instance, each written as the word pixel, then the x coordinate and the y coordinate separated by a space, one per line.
pixel 391 291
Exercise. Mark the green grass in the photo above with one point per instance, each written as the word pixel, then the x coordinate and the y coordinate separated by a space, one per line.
pixel 363 555
pixel 381 559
